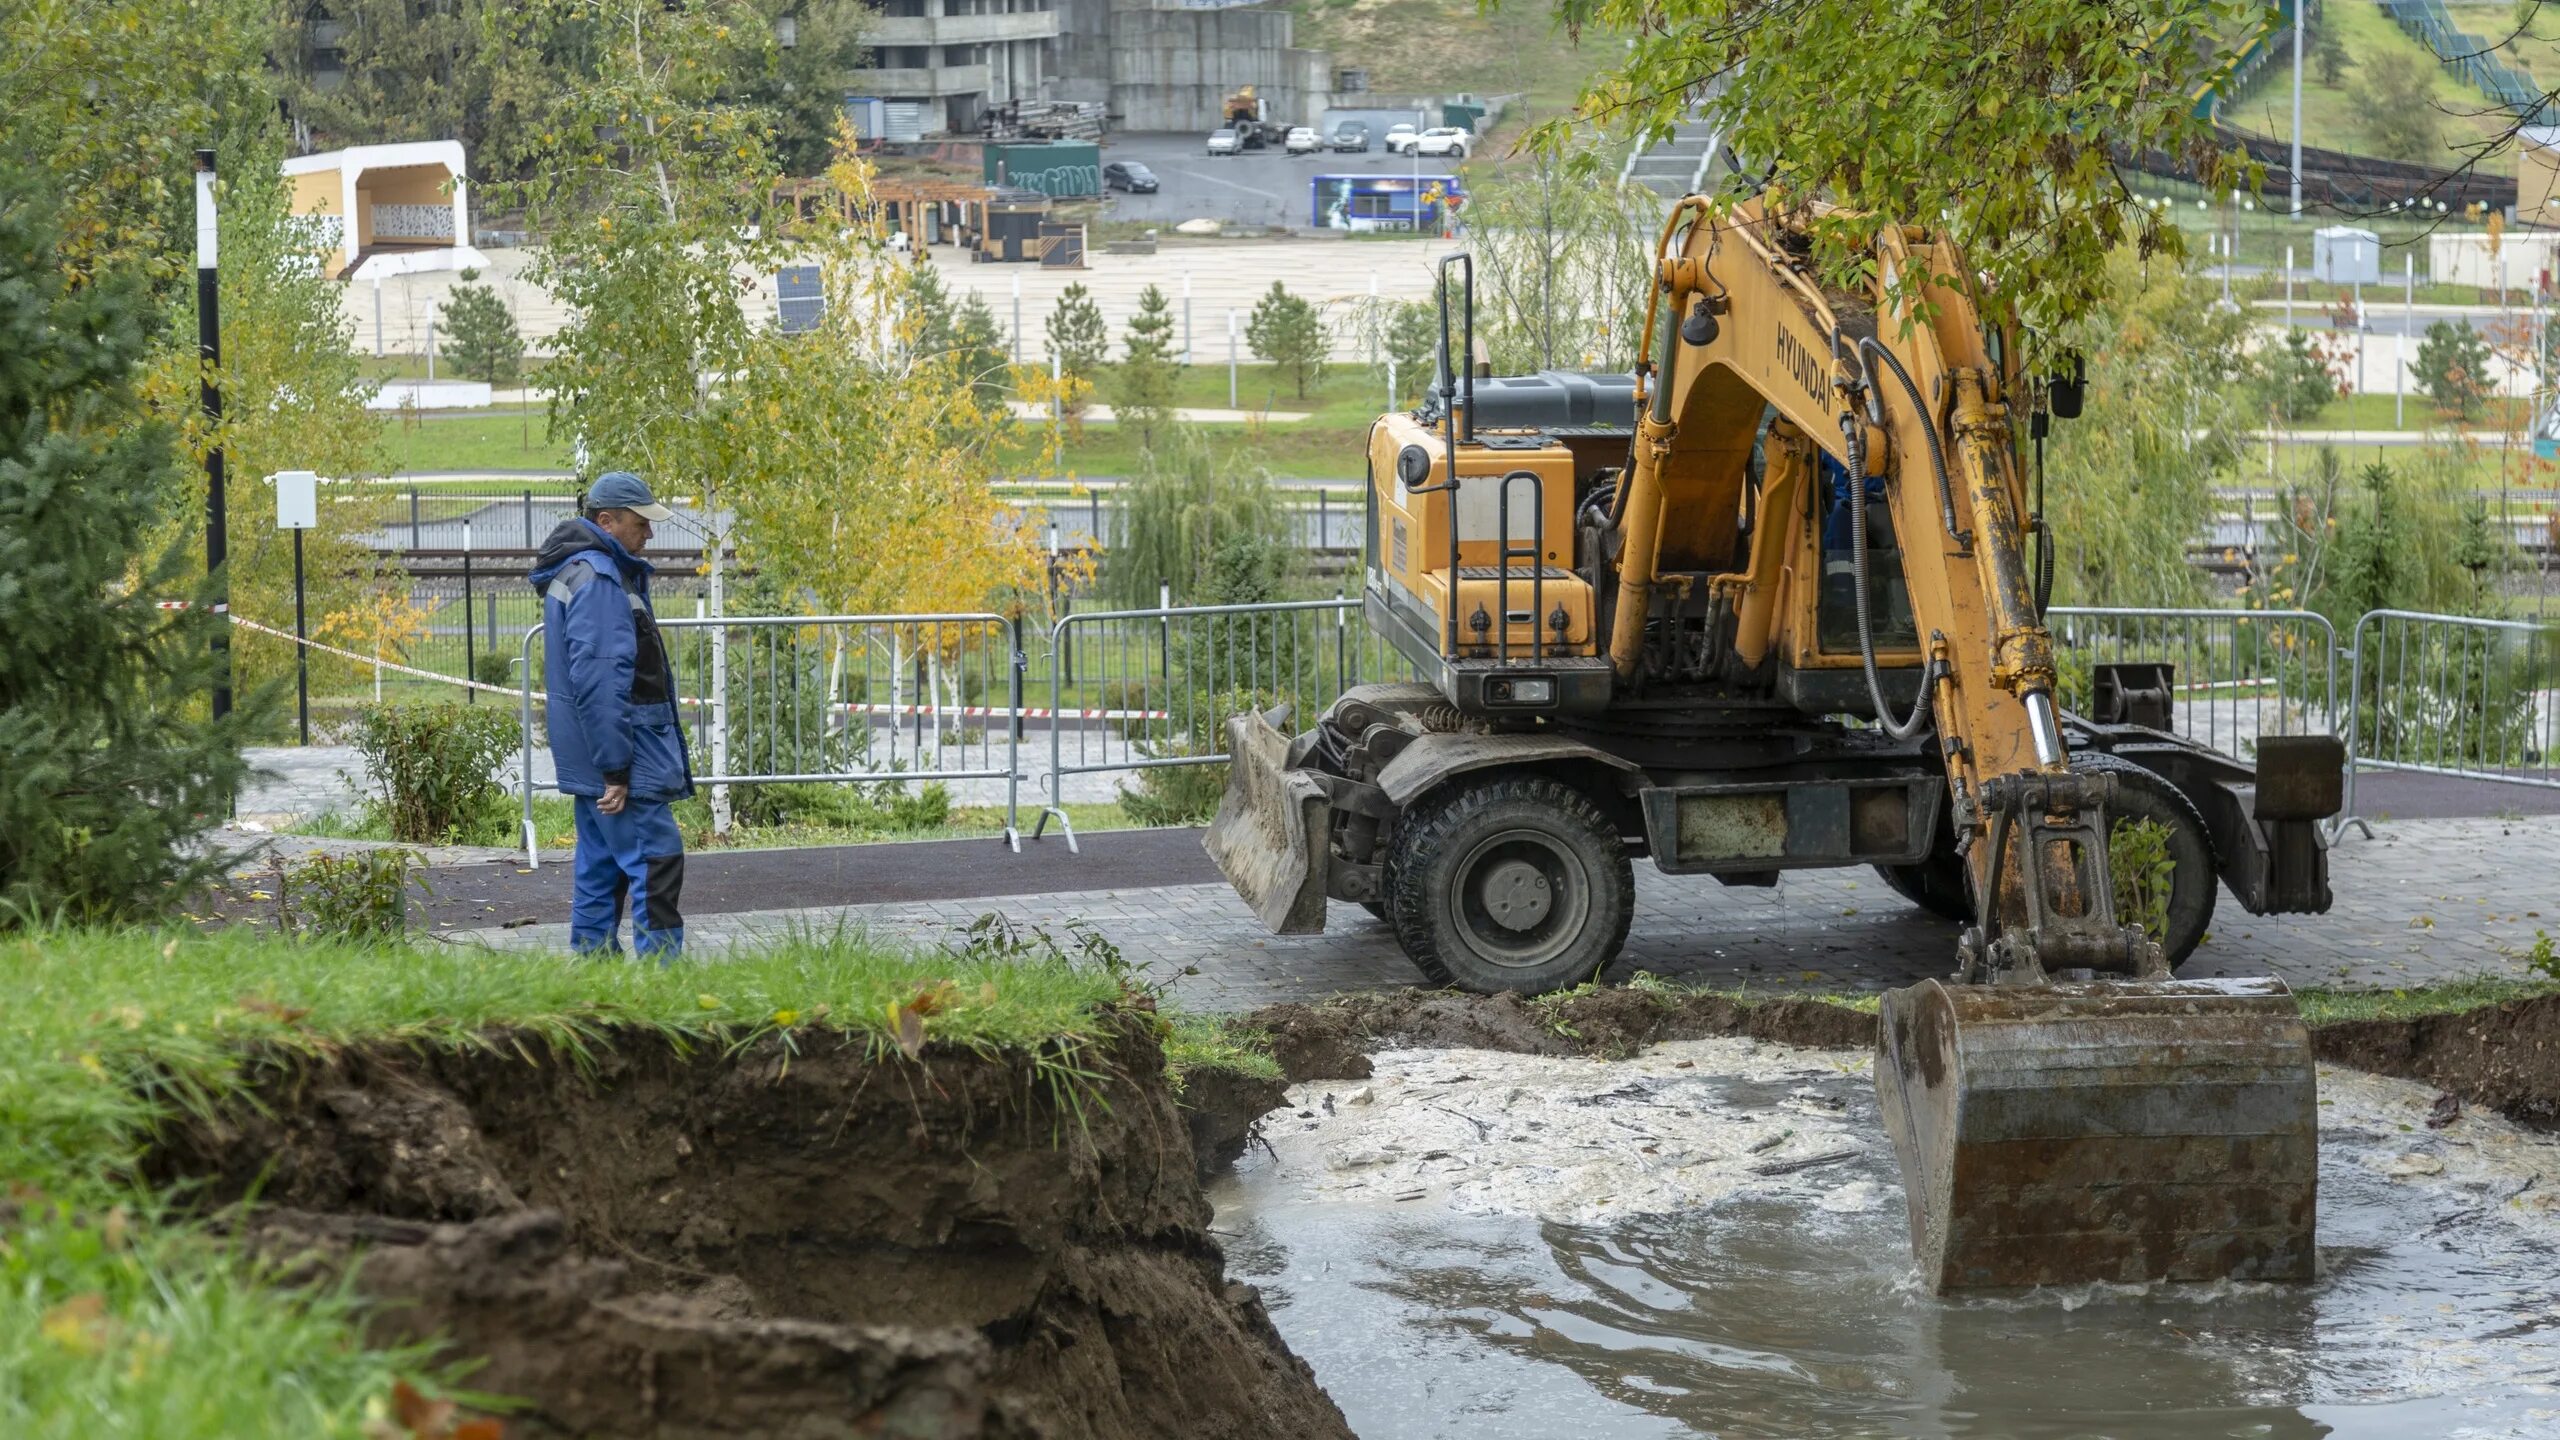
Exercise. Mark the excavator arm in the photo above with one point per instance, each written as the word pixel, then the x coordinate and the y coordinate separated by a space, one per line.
pixel 2064 1111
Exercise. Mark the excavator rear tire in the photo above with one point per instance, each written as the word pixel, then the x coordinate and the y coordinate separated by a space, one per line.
pixel 1509 882
pixel 1936 884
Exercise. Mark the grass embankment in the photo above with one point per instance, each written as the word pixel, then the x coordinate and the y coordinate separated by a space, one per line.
pixel 2339 116
pixel 122 1318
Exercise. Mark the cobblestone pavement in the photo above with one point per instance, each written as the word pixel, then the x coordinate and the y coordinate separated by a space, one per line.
pixel 2423 901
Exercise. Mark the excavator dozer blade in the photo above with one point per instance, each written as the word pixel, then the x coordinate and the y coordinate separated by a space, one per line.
pixel 2096 1131
pixel 1272 830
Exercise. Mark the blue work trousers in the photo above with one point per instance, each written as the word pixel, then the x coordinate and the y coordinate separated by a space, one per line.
pixel 637 855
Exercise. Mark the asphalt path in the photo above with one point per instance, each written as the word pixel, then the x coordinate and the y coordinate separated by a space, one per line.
pixel 1259 187
pixel 723 882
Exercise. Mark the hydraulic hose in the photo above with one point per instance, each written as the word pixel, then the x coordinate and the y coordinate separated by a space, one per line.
pixel 1902 729
pixel 1937 457
pixel 2044 537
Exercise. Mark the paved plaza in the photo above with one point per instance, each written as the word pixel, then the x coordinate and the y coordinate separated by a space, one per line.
pixel 2422 901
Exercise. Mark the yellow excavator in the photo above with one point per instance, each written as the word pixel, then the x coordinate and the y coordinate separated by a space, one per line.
pixel 1770 603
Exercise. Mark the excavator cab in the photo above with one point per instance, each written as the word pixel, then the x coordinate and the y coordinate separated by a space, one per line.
pixel 1766 604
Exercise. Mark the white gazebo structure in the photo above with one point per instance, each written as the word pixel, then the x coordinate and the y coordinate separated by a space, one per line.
pixel 387 209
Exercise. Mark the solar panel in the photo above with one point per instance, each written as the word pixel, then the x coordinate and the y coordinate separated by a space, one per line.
pixel 802 299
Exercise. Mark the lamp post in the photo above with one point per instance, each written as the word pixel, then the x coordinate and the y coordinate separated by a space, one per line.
pixel 217 540
pixel 2297 105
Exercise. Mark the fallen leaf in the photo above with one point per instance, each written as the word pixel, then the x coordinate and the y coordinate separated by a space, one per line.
pixel 933 997
pixel 908 1026
pixel 706 1002
pixel 77 1324
pixel 426 1419
pixel 482 1429
pixel 281 1014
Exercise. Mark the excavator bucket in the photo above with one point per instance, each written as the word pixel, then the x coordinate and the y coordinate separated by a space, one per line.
pixel 2102 1131
pixel 1272 828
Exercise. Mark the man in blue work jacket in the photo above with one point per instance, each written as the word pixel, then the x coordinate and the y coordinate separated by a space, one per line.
pixel 615 740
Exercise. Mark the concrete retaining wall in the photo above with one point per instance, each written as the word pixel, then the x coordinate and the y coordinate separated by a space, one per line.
pixel 1173 69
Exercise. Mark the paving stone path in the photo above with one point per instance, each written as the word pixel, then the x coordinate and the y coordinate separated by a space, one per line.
pixel 2421 902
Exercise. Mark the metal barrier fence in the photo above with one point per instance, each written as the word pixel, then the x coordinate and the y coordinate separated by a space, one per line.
pixel 2452 695
pixel 1151 689
pixel 2240 673
pixel 864 699
pixel 834 699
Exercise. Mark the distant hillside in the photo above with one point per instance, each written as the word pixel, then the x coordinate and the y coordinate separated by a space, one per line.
pixel 1437 46
pixel 2340 116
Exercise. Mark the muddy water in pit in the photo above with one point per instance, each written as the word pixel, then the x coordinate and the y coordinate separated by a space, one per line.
pixel 1709 1240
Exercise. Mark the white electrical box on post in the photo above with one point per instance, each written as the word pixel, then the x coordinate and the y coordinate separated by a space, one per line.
pixel 297 510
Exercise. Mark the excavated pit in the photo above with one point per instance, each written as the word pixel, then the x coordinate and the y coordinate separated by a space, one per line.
pixel 663 1242
pixel 1633 1214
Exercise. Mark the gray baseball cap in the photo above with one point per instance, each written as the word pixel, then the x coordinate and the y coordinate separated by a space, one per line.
pixel 622 490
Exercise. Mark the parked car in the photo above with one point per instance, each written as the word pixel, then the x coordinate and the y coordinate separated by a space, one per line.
pixel 1444 140
pixel 1225 142
pixel 1351 137
pixel 1400 137
pixel 1129 175
pixel 1302 140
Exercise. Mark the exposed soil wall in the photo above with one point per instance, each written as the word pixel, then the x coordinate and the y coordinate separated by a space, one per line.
pixel 2506 1057
pixel 765 1243
pixel 1331 1041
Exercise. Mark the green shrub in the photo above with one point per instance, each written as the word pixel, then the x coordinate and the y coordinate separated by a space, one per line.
pixel 2141 871
pixel 1187 794
pixel 114 772
pixel 496 667
pixel 433 767
pixel 888 807
pixel 359 897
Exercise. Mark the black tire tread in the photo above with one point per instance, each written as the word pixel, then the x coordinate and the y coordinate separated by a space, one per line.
pixel 2181 813
pixel 1429 827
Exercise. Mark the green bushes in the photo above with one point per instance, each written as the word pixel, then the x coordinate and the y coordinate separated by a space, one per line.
pixel 1187 794
pixel 433 769
pixel 361 898
pixel 888 807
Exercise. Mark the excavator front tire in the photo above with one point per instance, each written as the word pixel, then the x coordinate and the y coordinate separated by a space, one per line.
pixel 1937 884
pixel 1509 882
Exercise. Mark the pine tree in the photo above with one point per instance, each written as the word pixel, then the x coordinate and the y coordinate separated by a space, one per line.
pixel 2328 52
pixel 485 345
pixel 1143 390
pixel 1413 342
pixel 979 349
pixel 112 770
pixel 2453 368
pixel 1078 340
pixel 964 336
pixel 1288 332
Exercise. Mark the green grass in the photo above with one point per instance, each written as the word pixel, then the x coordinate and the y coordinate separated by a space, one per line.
pixel 1217 1042
pixel 475 440
pixel 118 1319
pixel 1330 444
pixel 2333 116
pixel 2328 1007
